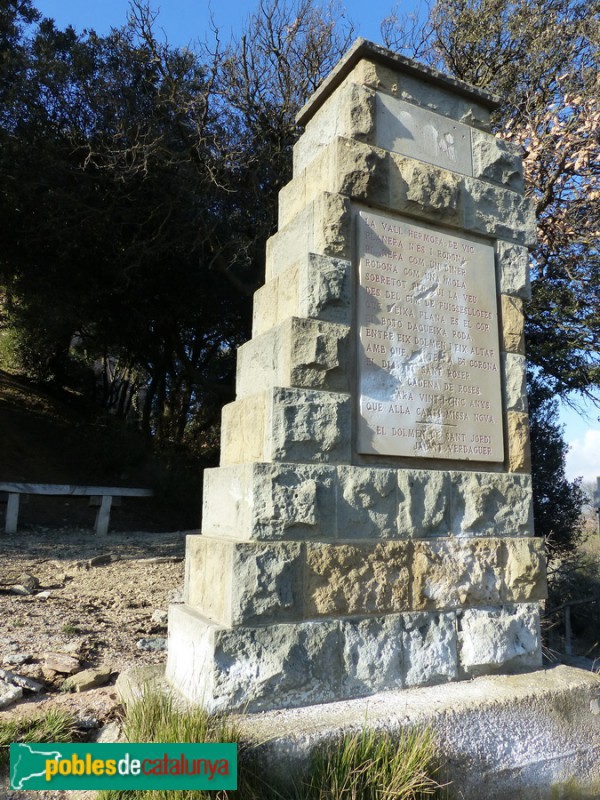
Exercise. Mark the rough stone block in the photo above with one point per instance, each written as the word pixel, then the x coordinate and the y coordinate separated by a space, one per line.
pixel 287 247
pixel 423 503
pixel 319 287
pixel 267 301
pixel 310 426
pixel 243 430
pixel 495 160
pixel 517 432
pixel 372 655
pixel 450 573
pixel 266 582
pixel 372 175
pixel 379 77
pixel 513 324
pixel 189 655
pixel 491 504
pixel 429 648
pixel 208 571
pixel 524 570
pixel 282 424
pixel 346 579
pixel 359 171
pixel 237 583
pixel 270 501
pixel 500 213
pixel 349 112
pixel 250 669
pixel 345 167
pixel 424 190
pixel 323 227
pixel 325 289
pixel 292 198
pixel 513 269
pixel 302 353
pixel 366 503
pixel 515 385
pixel 499 639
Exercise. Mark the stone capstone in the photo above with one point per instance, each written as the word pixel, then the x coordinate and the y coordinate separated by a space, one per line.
pixel 377 76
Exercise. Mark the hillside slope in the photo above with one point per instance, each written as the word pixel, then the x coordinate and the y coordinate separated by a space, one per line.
pixel 47 439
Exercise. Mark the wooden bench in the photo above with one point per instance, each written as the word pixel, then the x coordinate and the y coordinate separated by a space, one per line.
pixel 15 490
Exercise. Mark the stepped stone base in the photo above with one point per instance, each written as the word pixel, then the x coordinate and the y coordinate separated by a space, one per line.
pixel 303 663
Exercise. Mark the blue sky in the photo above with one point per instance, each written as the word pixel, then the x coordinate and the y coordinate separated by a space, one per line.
pixel 187 21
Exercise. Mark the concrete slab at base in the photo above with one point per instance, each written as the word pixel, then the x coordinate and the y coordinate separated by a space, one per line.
pixel 533 736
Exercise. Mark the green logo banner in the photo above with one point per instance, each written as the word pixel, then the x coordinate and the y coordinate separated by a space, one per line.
pixel 123 766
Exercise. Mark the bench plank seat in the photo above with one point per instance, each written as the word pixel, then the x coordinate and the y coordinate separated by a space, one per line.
pixel 15 490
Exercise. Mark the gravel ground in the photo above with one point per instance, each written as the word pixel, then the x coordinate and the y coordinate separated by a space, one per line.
pixel 94 599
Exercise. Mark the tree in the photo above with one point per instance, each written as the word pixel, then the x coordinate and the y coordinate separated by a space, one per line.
pixel 541 58
pixel 113 207
pixel 557 502
pixel 139 186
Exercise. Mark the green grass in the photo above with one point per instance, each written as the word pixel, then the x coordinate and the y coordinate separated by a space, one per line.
pixel 156 719
pixel 364 766
pixel 54 726
pixel 375 766
pixel 70 630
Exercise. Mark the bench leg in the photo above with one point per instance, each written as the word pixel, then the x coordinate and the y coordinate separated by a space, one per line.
pixel 103 515
pixel 12 513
